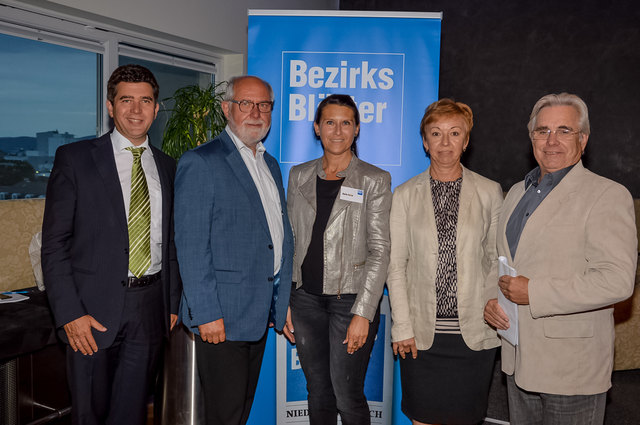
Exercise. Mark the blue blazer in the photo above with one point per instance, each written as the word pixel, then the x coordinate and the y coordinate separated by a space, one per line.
pixel 224 245
pixel 85 241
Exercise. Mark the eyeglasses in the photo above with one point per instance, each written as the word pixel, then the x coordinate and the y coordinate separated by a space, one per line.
pixel 562 134
pixel 247 105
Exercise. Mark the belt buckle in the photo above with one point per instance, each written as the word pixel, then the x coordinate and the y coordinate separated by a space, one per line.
pixel 139 282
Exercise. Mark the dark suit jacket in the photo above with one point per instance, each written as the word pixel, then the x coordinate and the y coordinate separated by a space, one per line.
pixel 224 244
pixel 85 241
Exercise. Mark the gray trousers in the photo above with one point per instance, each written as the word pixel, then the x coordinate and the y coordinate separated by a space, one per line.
pixel 529 408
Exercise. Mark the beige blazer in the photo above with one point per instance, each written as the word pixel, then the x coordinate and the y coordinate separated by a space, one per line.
pixel 414 260
pixel 579 251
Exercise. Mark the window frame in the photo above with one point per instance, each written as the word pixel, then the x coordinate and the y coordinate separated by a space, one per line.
pixel 108 40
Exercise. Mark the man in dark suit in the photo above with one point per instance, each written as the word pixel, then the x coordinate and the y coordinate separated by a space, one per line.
pixel 235 250
pixel 108 256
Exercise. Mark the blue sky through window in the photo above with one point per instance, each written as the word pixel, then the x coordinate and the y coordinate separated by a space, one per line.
pixel 48 98
pixel 46 87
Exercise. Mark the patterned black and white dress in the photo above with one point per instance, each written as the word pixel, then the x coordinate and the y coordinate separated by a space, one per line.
pixel 449 382
pixel 446 203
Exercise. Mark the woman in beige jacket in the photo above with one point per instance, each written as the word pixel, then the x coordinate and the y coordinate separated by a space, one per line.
pixel 442 271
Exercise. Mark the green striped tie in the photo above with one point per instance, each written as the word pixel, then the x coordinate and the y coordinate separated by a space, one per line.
pixel 139 218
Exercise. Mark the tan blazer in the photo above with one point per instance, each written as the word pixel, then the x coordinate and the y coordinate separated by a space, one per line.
pixel 579 251
pixel 414 260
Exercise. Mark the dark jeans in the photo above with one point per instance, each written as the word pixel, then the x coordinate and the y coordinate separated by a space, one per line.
pixel 335 379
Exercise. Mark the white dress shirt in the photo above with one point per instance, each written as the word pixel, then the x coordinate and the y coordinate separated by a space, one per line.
pixel 268 191
pixel 124 163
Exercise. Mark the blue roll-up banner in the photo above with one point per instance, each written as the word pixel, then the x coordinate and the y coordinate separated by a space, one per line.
pixel 389 63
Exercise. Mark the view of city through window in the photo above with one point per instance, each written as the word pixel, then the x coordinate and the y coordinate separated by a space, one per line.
pixel 48 98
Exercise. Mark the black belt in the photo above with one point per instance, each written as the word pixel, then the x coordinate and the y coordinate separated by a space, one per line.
pixel 139 282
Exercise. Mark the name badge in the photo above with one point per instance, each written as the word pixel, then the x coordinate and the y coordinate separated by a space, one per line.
pixel 351 194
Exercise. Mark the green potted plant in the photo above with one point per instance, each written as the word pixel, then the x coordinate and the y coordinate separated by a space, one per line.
pixel 196 117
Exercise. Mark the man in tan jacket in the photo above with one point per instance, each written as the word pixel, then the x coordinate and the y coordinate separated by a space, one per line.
pixel 570 235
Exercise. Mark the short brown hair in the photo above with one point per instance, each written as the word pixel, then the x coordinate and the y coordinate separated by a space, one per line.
pixel 443 108
pixel 131 74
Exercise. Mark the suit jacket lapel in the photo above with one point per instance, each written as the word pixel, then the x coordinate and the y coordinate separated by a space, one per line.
pixel 510 203
pixel 307 188
pixel 340 204
pixel 554 202
pixel 105 163
pixel 467 192
pixel 235 161
pixel 166 188
pixel 425 204
pixel 352 181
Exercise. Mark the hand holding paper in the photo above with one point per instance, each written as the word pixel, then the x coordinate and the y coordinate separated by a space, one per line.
pixel 515 288
pixel 509 307
pixel 495 316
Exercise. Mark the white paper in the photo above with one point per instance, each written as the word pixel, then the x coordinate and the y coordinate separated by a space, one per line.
pixel 510 308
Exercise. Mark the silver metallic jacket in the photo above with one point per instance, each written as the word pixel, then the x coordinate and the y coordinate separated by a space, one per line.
pixel 356 240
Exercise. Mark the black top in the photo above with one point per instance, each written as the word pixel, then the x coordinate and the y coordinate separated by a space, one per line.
pixel 313 264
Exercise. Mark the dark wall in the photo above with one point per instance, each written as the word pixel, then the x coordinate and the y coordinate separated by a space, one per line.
pixel 501 56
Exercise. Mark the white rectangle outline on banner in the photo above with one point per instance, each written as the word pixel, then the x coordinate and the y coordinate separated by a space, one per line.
pixel 387 377
pixel 403 55
pixel 345 13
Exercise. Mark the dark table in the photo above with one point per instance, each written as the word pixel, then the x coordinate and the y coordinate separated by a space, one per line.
pixel 32 364
pixel 26 326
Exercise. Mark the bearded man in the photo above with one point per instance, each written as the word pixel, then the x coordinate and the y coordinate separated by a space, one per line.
pixel 235 250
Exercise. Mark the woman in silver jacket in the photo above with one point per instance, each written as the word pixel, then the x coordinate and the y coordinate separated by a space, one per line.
pixel 339 210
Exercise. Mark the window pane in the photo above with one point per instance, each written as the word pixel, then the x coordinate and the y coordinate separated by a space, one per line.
pixel 48 98
pixel 170 78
